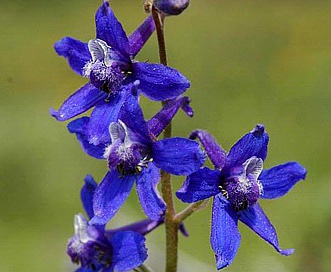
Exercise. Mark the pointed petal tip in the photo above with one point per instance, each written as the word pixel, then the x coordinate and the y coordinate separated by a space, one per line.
pixel 89 180
pixel 56 47
pixel 225 237
pixel 286 252
pixel 221 262
pixel 60 46
pixel 183 230
pixel 303 172
pixel 258 130
pixel 186 83
pixel 110 30
pixel 189 113
pixel 186 107
pixel 194 134
pixel 56 115
pixel 53 112
pixel 254 143
pixel 105 3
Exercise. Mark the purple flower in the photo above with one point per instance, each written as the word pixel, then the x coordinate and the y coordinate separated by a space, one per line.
pixel 96 250
pixel 135 156
pixel 107 62
pixel 236 184
pixel 171 7
pixel 155 126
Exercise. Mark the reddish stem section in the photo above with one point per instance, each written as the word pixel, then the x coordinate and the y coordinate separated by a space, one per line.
pixel 171 225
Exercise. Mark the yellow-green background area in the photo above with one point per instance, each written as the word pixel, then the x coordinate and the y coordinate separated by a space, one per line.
pixel 249 62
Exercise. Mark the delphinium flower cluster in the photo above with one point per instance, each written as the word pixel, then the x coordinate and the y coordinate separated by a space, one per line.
pixel 136 153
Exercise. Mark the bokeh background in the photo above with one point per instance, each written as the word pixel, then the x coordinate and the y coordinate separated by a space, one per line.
pixel 249 62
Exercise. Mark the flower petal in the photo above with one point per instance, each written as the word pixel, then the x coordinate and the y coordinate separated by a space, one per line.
pixel 256 219
pixel 132 116
pixel 79 102
pixel 86 195
pixel 129 250
pixel 110 30
pixel 140 36
pixel 104 113
pixel 215 152
pixel 159 82
pixel 254 143
pixel 178 156
pixel 280 179
pixel 186 107
pixel 200 185
pixel 82 269
pixel 143 227
pixel 225 237
pixel 75 51
pixel 79 127
pixel 183 230
pixel 149 197
pixel 110 196
pixel 161 119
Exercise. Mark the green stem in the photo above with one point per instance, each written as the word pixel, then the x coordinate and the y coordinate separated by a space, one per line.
pixel 181 216
pixel 171 225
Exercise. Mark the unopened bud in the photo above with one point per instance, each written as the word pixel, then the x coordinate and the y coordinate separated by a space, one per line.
pixel 148 5
pixel 171 7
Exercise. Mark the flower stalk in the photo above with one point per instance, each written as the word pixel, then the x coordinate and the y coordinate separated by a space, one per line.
pixel 159 26
pixel 171 225
pixel 118 132
pixel 181 216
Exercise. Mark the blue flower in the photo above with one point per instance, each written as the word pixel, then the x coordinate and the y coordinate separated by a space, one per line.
pixel 96 249
pixel 107 62
pixel 236 184
pixel 135 156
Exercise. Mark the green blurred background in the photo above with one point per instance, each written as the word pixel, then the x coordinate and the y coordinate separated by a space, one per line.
pixel 249 62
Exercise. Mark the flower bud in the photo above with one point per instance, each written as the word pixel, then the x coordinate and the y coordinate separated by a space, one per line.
pixel 171 7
